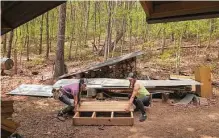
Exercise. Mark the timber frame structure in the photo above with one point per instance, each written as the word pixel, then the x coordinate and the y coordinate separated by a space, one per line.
pixel 109 113
pixel 169 11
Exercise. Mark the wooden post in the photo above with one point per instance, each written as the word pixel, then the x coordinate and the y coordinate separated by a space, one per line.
pixel 203 75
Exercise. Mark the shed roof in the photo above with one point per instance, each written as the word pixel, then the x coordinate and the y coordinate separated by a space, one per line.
pixel 108 62
pixel 167 11
pixel 16 13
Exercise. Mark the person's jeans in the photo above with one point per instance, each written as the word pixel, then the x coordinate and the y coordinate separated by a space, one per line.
pixel 67 99
pixel 141 102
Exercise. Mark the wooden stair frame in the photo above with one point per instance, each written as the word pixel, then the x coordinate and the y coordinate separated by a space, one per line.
pixel 111 120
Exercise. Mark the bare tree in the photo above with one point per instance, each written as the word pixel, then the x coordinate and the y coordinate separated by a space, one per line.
pixel 41 36
pixel 87 7
pixel 10 44
pixel 163 39
pixel 15 54
pixel 95 25
pixel 72 29
pixel 47 35
pixel 108 38
pixel 27 38
pixel 59 62
pixel 4 44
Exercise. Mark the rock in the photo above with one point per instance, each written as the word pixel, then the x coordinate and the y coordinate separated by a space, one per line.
pixel 203 101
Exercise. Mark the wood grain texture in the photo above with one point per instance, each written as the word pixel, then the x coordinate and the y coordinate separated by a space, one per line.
pixel 108 121
pixel 106 106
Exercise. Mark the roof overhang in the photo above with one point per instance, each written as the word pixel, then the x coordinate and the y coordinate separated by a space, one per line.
pixel 16 13
pixel 170 11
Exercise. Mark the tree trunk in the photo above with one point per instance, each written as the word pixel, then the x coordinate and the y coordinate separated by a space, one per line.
pixel 72 29
pixel 99 26
pixel 164 39
pixel 27 38
pixel 124 20
pixel 179 53
pixel 130 28
pixel 59 62
pixel 4 45
pixel 95 25
pixel 15 54
pixel 87 21
pixel 41 36
pixel 108 38
pixel 51 34
pixel 47 35
pixel 10 44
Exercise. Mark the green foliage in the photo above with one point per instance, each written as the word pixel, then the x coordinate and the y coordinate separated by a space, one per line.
pixel 129 10
pixel 167 54
pixel 34 62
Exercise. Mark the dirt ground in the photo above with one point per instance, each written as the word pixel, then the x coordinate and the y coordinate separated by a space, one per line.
pixel 37 115
pixel 37 119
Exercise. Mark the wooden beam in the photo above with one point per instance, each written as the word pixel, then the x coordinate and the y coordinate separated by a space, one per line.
pixel 148 7
pixel 184 8
pixel 181 77
pixel 112 114
pixel 9 125
pixel 106 106
pixel 183 18
pixel 94 115
pixel 203 75
pixel 108 121
pixel 77 114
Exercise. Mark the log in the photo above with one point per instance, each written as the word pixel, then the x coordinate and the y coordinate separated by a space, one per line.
pixel 6 63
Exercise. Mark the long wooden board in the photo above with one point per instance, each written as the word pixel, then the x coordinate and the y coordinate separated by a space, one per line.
pixel 106 106
pixel 108 121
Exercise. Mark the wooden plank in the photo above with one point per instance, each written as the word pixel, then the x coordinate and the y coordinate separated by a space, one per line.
pixel 203 75
pixel 77 114
pixel 106 106
pixel 112 114
pixel 9 125
pixel 183 8
pixel 148 7
pixel 180 77
pixel 94 115
pixel 108 121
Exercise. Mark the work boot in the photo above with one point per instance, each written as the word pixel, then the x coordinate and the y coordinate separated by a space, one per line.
pixel 67 110
pixel 143 117
pixel 60 116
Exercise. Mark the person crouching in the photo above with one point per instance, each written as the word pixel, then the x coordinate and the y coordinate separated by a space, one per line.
pixel 140 96
pixel 70 95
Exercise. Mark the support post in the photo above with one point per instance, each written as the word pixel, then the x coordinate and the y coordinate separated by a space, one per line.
pixel 203 75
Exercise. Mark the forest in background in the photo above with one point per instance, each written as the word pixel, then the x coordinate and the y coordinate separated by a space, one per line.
pixel 105 29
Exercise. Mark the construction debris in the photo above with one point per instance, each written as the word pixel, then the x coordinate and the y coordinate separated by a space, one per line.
pixel 188 99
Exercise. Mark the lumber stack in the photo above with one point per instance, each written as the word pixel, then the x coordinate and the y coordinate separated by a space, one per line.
pixel 103 113
pixel 8 126
pixel 119 70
